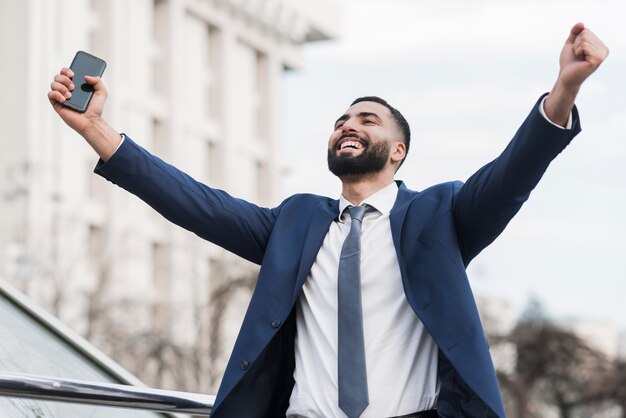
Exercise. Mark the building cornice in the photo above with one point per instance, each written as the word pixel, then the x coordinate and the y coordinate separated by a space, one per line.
pixel 299 21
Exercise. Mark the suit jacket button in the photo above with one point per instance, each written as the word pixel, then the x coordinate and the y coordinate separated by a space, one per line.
pixel 275 323
pixel 244 365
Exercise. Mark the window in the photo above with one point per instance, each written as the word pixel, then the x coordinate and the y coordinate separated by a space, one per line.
pixel 159 35
pixel 160 139
pixel 263 182
pixel 161 273
pixel 261 95
pixel 201 76
pixel 214 166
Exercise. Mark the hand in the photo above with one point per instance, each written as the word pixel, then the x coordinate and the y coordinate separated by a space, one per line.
pixel 581 56
pixel 60 91
pixel 89 124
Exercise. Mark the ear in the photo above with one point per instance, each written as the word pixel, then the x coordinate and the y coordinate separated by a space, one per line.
pixel 398 152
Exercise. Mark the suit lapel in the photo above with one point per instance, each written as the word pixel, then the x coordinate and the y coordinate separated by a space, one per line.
pixel 397 214
pixel 320 223
pixel 396 219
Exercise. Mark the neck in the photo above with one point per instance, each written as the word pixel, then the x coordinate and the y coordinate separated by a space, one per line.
pixel 357 189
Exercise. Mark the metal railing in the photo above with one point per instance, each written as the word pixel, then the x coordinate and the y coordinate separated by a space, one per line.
pixel 20 385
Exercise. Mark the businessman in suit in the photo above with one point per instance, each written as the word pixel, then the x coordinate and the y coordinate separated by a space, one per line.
pixel 406 340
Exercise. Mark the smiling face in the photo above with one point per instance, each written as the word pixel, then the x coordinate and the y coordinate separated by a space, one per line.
pixel 366 140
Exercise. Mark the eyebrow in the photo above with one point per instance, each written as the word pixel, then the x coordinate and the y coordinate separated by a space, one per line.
pixel 359 115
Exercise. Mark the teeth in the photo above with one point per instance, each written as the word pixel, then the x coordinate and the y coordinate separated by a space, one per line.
pixel 350 144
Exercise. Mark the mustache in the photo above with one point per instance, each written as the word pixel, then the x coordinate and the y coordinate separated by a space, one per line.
pixel 363 139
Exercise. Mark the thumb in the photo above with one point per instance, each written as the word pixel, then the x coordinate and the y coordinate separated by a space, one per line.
pixel 96 83
pixel 576 29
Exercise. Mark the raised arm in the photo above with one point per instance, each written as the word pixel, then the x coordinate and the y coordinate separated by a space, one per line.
pixel 234 224
pixel 494 194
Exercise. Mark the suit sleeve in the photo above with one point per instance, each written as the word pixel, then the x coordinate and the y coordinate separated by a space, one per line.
pixel 489 199
pixel 234 224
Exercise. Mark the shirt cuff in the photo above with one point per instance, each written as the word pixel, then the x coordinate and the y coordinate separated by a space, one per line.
pixel 124 137
pixel 568 125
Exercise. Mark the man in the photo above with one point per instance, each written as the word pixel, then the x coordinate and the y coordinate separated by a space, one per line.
pixel 406 340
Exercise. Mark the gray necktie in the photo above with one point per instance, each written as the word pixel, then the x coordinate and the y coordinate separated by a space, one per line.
pixel 352 374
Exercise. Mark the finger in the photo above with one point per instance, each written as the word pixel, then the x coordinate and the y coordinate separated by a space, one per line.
pixel 65 81
pixel 590 52
pixel 62 89
pixel 92 80
pixel 55 97
pixel 585 51
pixel 595 44
pixel 67 72
pixel 97 83
pixel 581 46
pixel 576 29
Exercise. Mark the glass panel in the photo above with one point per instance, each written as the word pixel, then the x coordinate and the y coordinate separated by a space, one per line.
pixel 26 346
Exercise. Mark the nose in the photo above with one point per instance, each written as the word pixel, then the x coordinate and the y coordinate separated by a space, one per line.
pixel 348 126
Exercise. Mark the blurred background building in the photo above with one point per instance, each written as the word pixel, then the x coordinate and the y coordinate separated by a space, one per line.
pixel 197 82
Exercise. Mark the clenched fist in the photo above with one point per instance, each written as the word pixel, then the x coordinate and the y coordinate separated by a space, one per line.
pixel 581 55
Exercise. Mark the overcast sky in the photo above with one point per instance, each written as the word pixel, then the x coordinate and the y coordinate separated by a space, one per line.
pixel 465 75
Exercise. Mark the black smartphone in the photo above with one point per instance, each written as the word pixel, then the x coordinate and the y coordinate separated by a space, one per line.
pixel 84 64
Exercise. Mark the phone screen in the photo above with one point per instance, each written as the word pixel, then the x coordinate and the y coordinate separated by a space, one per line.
pixel 84 64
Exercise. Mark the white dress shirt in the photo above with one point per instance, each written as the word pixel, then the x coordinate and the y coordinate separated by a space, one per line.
pixel 401 355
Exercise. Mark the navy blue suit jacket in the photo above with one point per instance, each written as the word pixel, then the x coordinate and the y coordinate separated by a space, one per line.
pixel 436 233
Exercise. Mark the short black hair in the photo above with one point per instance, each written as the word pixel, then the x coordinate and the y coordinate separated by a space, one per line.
pixel 397 116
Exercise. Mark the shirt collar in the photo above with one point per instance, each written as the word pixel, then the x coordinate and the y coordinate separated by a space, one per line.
pixel 382 200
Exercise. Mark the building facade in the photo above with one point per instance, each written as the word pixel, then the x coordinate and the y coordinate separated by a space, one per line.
pixel 196 82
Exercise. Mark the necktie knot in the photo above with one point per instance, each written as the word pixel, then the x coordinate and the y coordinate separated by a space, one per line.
pixel 357 212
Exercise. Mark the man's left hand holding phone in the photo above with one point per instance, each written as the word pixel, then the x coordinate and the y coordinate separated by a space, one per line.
pixel 84 112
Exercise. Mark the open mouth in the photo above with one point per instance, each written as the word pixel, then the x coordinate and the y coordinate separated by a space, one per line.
pixel 350 143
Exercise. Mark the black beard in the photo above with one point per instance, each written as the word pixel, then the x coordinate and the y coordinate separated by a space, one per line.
pixel 372 160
